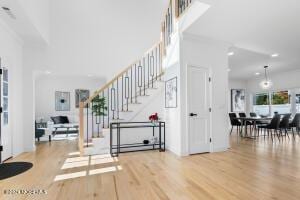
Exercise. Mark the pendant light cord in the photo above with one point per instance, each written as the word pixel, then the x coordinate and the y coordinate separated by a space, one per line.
pixel 266 76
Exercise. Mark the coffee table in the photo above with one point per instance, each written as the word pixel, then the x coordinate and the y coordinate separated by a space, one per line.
pixel 65 128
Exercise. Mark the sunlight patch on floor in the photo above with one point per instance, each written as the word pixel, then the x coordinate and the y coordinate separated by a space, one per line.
pixel 102 161
pixel 104 170
pixel 76 153
pixel 70 176
pixel 75 164
pixel 87 161
pixel 77 159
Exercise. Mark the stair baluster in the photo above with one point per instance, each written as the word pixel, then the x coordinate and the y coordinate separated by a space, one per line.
pixel 135 84
pixel 122 93
pixel 126 90
pixel 144 79
pixel 107 103
pixel 131 100
pixel 87 124
pixel 103 116
pixel 117 100
pixel 148 71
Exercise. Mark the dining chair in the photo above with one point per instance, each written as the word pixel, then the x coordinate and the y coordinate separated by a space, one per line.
pixel 295 124
pixel 285 124
pixel 242 114
pixel 258 122
pixel 234 122
pixel 248 123
pixel 272 126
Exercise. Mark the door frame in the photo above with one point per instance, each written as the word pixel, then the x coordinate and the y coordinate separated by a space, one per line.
pixel 209 103
pixel 6 129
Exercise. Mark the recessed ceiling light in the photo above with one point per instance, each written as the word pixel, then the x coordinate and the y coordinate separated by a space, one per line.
pixel 47 72
pixel 8 12
pixel 275 55
pixel 90 75
pixel 230 53
pixel 257 73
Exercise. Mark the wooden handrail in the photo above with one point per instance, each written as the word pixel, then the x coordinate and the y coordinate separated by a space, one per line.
pixel 176 8
pixel 97 92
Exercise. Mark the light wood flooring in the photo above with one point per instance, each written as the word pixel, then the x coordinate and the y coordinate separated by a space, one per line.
pixel 251 169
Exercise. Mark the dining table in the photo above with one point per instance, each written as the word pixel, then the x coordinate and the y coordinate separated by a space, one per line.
pixel 253 121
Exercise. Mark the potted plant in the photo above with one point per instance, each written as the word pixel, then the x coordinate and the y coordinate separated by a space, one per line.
pixel 99 109
pixel 154 118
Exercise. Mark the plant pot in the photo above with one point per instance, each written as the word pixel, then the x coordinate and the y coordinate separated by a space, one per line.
pixel 97 130
pixel 92 129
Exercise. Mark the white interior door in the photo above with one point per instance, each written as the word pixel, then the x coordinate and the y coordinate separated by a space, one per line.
pixel 198 109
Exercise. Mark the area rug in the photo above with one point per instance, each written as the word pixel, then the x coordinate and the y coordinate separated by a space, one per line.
pixel 11 169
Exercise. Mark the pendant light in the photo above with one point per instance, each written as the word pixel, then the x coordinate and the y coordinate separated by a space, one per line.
pixel 266 83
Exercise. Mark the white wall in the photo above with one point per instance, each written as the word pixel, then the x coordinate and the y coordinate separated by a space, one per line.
pixel 171 66
pixel 46 86
pixel 237 84
pixel 203 52
pixel 172 115
pixel 82 42
pixel 104 37
pixel 288 80
pixel 281 81
pixel 12 58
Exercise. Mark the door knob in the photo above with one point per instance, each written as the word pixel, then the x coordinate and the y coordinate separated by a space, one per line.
pixel 193 114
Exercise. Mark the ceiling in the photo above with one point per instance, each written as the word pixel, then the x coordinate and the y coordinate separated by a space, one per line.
pixel 22 23
pixel 81 37
pixel 101 37
pixel 256 29
pixel 98 38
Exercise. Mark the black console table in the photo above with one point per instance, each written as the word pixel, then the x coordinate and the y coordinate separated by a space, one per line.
pixel 115 149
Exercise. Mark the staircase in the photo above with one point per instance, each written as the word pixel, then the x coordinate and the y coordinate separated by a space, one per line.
pixel 128 92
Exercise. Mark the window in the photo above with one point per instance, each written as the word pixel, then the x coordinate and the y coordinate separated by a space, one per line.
pixel 281 102
pixel 298 102
pixel 5 96
pixel 261 104
pixel 279 98
pixel 261 99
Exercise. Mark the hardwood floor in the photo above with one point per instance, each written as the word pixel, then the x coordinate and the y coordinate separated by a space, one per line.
pixel 252 169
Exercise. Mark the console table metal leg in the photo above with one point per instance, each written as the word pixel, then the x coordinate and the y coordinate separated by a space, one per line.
pixel 67 132
pixel 118 139
pixel 164 137
pixel 111 137
pixel 153 129
pixel 160 136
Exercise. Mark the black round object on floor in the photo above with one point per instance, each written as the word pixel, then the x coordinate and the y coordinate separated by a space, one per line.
pixel 11 169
